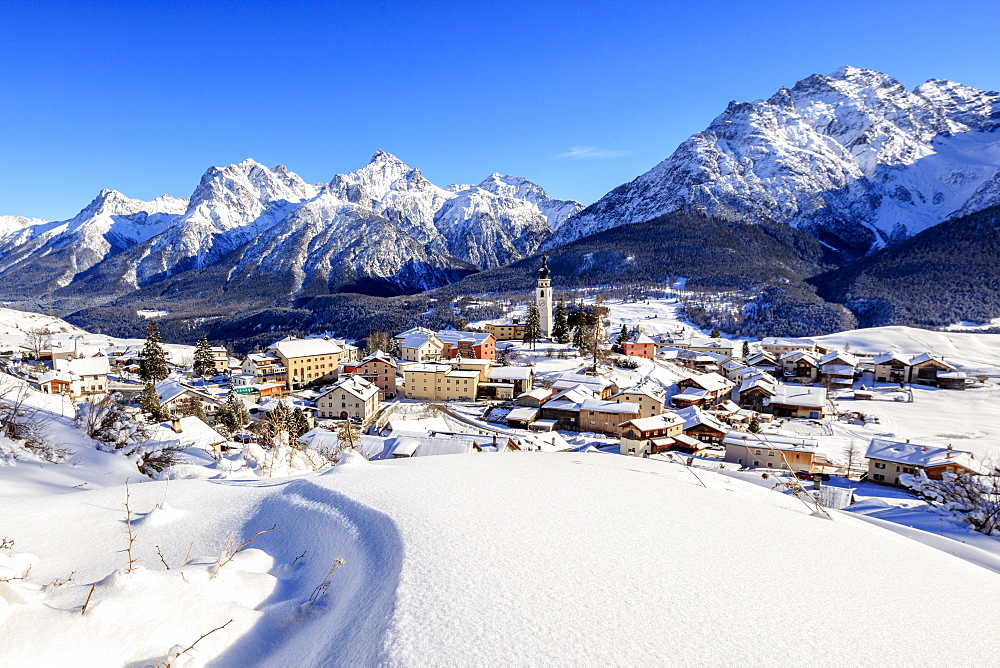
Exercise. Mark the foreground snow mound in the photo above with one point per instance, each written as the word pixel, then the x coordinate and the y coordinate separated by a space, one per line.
pixel 519 558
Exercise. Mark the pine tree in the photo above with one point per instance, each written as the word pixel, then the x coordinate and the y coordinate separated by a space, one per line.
pixel 714 334
pixel 560 328
pixel 746 349
pixel 298 423
pixel 204 360
pixel 152 360
pixel 754 426
pixel 532 326
pixel 580 335
pixel 149 403
pixel 233 415
pixel 623 336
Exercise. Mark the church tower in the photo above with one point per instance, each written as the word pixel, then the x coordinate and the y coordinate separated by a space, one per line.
pixel 543 299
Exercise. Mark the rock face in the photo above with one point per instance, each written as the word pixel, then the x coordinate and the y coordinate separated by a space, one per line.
pixel 854 158
pixel 383 229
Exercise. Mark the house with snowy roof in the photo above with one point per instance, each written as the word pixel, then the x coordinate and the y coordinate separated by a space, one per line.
pixel 756 391
pixel 351 397
pixel 603 387
pixel 888 460
pixel 797 401
pixel 702 425
pixel 434 381
pixel 801 365
pixel 515 379
pixel 265 367
pixel 735 370
pixel 649 398
pixel 778 345
pixel 764 361
pixel 307 360
pixel 646 436
pixel 926 369
pixel 706 344
pixel 77 377
pixel 379 369
pixel 182 399
pixel 771 450
pixel 838 368
pixel 639 345
pixel 703 390
pixel 473 345
pixel 420 344
pixel 187 432
pixel 892 367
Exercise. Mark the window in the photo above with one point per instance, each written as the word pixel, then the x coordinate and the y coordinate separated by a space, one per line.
pixel 879 477
pixel 879 465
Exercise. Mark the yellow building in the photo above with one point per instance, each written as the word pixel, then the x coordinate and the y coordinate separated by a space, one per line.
pixel 506 331
pixel 440 382
pixel 307 360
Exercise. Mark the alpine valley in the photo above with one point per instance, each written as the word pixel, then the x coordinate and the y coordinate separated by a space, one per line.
pixel 799 207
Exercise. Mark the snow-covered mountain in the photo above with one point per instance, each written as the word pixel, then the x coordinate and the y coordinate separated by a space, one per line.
pixel 53 254
pixel 854 158
pixel 383 228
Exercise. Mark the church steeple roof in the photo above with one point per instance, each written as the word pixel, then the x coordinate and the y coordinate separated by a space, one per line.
pixel 544 271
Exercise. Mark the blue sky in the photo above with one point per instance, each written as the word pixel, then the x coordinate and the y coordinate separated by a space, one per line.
pixel 579 96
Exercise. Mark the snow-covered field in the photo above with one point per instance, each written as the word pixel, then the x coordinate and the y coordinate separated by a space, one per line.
pixel 500 559
pixel 512 558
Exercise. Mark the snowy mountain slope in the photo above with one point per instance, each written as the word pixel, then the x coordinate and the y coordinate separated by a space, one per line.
pixel 853 157
pixel 55 253
pixel 9 224
pixel 383 227
pixel 438 573
pixel 229 207
pixel 329 245
pixel 502 219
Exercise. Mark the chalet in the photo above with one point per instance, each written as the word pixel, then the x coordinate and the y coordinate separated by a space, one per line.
pixel 800 365
pixel 352 397
pixel 837 369
pixel 220 359
pixel 650 435
pixel 650 399
pixel 702 425
pixel 87 375
pixel 75 349
pixel 764 361
pixel 378 369
pixel 888 460
pixel 473 345
pixel 778 346
pixel 736 370
pixel 519 379
pixel 535 398
pixel 506 331
pixel 420 345
pixel 639 345
pixel 714 386
pixel 179 399
pixel 245 384
pixel 892 368
pixel 725 347
pixel 307 360
pixel 603 417
pixel 703 362
pixel 521 418
pixel 774 451
pixel 797 401
pixel 925 369
pixel 187 432
pixel 603 387
pixel 564 407
pixel 440 382
pixel 952 380
pixel 756 391
pixel 265 368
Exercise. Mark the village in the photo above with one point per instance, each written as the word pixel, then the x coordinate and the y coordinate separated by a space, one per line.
pixel 550 380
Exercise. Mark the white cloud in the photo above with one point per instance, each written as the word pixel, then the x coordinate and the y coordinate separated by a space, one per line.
pixel 592 153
